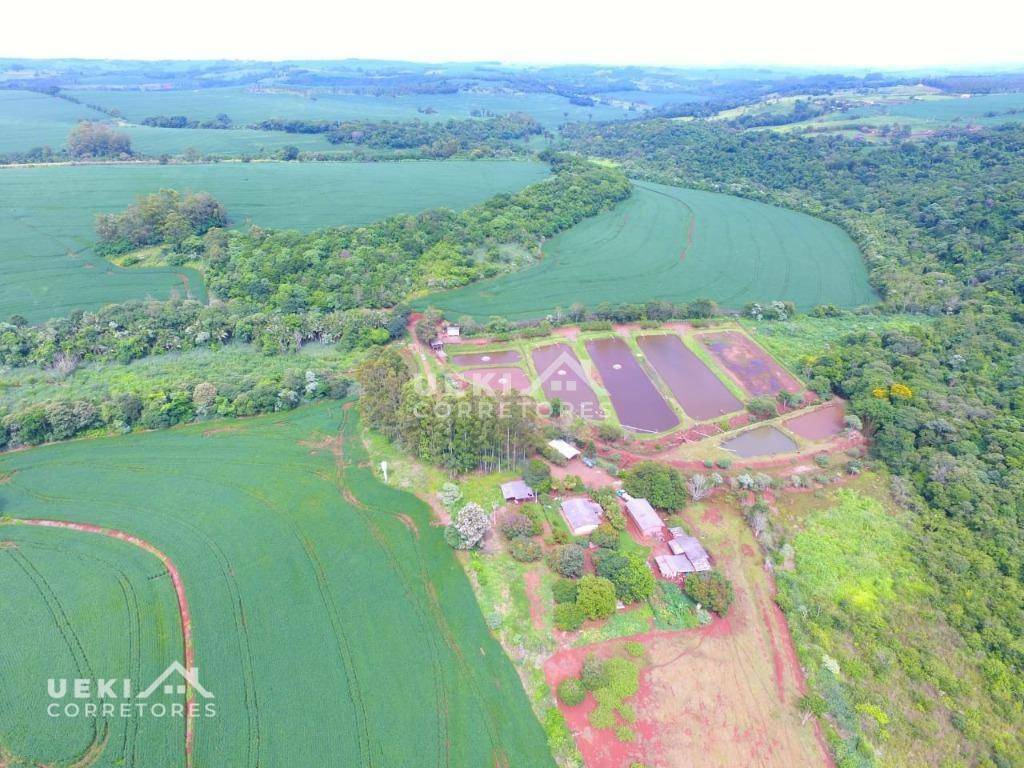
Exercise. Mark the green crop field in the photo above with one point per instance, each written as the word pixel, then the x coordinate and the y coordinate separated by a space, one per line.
pixel 47 215
pixel 244 106
pixel 30 120
pixel 677 244
pixel 329 619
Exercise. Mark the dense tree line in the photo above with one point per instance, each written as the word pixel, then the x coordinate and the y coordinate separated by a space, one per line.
pixel 220 122
pixel 136 329
pixel 382 264
pixel 189 400
pixel 458 432
pixel 435 138
pixel 940 222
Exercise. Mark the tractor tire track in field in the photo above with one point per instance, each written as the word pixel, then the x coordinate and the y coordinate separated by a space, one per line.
pixel 179 590
pixel 129 739
pixel 443 756
pixel 100 734
pixel 491 716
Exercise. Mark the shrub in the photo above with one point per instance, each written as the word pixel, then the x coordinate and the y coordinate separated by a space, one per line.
pixel 537 474
pixel 724 463
pixel 450 494
pixel 569 617
pixel 609 433
pixel 564 591
pixel 711 589
pixel 525 550
pixel 571 691
pixel 453 538
pixel 596 596
pixel 625 734
pixel 593 675
pixel 822 459
pixel 568 560
pixel 516 526
pixel 605 536
pixel 762 407
pixel 634 649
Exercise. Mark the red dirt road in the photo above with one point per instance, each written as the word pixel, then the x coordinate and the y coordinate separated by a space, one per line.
pixel 179 591
pixel 722 696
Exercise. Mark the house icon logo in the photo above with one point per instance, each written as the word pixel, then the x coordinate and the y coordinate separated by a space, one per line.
pixel 565 379
pixel 186 678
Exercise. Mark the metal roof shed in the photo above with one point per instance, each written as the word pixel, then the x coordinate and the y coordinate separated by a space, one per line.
pixel 645 517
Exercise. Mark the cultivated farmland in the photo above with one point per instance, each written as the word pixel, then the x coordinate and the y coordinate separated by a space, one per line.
pixel 328 616
pixel 47 213
pixel 677 244
pixel 245 106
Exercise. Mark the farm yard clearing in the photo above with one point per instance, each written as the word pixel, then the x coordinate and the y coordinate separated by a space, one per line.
pixel 718 696
pixel 46 216
pixel 675 244
pixel 310 500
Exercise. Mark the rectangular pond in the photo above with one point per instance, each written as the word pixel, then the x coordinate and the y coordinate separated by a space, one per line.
pixel 699 391
pixel 751 365
pixel 638 403
pixel 504 357
pixel 561 376
pixel 497 381
pixel 760 441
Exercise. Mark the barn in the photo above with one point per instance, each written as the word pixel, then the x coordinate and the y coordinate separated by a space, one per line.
pixel 644 516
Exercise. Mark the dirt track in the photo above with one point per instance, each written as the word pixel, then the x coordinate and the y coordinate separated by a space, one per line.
pixel 723 696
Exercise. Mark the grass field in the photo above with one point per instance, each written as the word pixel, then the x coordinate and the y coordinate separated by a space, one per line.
pixel 328 616
pixel 245 107
pixel 29 119
pixel 677 244
pixel 47 214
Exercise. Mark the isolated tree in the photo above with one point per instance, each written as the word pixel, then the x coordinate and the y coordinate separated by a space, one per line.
pixel 596 596
pixel 89 139
pixel 472 523
pixel 700 486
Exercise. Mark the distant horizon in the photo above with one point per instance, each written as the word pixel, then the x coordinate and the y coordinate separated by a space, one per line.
pixel 801 34
pixel 1000 67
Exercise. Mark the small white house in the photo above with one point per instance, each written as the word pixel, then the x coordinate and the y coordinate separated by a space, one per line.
pixel 452 330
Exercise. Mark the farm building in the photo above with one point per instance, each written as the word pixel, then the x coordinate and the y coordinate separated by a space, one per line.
pixel 644 516
pixel 437 344
pixel 694 552
pixel 673 566
pixel 581 515
pixel 452 330
pixel 568 451
pixel 517 491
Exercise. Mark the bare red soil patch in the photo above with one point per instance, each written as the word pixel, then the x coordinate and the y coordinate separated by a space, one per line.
pixel 751 366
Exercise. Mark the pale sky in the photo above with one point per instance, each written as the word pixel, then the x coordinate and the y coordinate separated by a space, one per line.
pixel 879 34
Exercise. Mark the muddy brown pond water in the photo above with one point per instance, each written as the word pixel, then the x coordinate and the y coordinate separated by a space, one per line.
pixel 760 441
pixel 701 394
pixel 639 405
pixel 562 377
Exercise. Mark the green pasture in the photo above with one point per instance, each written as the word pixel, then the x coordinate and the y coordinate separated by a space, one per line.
pixel 47 213
pixel 676 244
pixel 328 615
pixel 245 106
